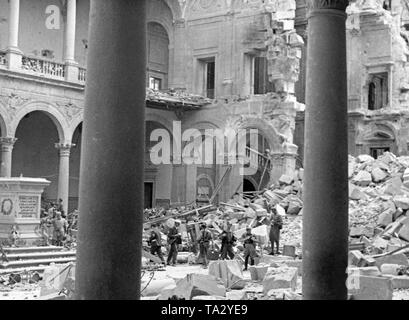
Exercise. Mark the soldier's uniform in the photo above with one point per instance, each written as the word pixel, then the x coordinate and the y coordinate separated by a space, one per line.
pixel 249 249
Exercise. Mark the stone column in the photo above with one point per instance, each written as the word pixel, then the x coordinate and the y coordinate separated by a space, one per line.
pixel 112 161
pixel 71 69
pixel 14 55
pixel 325 220
pixel 64 173
pixel 7 145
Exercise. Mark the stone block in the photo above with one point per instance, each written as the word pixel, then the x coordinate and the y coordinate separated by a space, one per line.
pixel 378 175
pixel 196 285
pixel 385 218
pixel 398 258
pixel 294 264
pixel 229 271
pixel 363 179
pixel 406 178
pixel 238 295
pixel 280 278
pixel 401 202
pixel 394 187
pixel 372 288
pixel 258 272
pixel 273 260
pixel 208 298
pixel 365 158
pixel 404 232
pixel 356 258
pixel 391 269
pixel 355 193
pixel 286 179
pixel 365 271
pixel 400 282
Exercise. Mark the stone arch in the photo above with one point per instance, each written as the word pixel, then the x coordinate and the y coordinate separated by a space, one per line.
pixel 174 6
pixel 158 11
pixel 74 125
pixel 3 124
pixel 206 176
pixel 47 108
pixel 252 181
pixel 378 130
pixel 266 130
pixel 155 117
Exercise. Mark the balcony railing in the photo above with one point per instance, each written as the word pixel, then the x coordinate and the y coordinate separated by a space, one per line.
pixel 82 74
pixel 3 59
pixel 44 67
pixel 256 158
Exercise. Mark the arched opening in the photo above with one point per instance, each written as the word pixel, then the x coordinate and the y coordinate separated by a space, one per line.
pixel 158 56
pixel 35 154
pixel 75 161
pixel 248 186
pixel 158 177
pixel 257 151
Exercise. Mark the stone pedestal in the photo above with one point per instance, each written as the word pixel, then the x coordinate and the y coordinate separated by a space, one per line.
pixel 20 205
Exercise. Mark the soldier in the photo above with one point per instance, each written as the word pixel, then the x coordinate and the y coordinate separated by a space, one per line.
pixel 228 241
pixel 249 241
pixel 174 239
pixel 60 228
pixel 155 242
pixel 276 226
pixel 204 239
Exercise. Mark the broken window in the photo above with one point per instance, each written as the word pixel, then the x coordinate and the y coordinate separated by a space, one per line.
pixel 158 56
pixel 210 79
pixel 378 91
pixel 155 83
pixel 387 5
pixel 262 85
pixel 377 152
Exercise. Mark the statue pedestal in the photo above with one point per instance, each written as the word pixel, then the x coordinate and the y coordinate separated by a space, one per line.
pixel 20 206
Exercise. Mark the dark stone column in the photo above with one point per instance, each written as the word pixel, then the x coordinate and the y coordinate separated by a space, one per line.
pixel 112 163
pixel 325 220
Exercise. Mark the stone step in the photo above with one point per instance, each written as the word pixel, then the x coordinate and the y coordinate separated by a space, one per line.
pixel 43 255
pixel 36 262
pixel 9 250
pixel 39 269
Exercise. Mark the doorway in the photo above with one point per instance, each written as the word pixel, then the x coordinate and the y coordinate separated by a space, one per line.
pixel 148 193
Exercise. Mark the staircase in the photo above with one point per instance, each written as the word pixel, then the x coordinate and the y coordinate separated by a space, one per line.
pixel 30 259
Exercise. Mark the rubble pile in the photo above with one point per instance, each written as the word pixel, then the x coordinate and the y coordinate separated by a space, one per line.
pixel 379 201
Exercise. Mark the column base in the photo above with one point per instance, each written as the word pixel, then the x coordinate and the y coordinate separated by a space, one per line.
pixel 71 71
pixel 284 163
pixel 14 58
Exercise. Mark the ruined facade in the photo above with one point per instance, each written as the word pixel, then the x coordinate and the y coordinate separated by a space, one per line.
pixel 378 53
pixel 229 64
pixel 212 64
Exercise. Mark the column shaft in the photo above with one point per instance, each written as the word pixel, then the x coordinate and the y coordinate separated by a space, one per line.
pixel 7 145
pixel 112 161
pixel 325 219
pixel 64 174
pixel 70 31
pixel 14 22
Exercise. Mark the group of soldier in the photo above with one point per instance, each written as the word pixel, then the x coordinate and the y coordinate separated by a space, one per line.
pixel 205 241
pixel 54 224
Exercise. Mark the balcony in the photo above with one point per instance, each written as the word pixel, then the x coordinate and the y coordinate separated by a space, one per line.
pixel 3 59
pixel 44 68
pixel 257 160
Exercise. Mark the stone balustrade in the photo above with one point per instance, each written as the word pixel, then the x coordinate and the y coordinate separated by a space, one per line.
pixel 43 67
pixel 256 158
pixel 82 74
pixel 3 59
